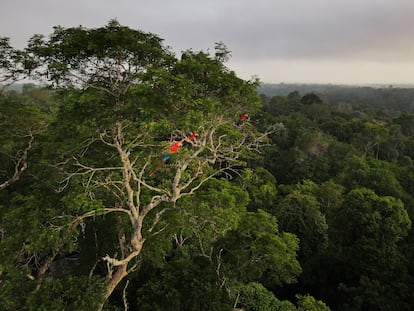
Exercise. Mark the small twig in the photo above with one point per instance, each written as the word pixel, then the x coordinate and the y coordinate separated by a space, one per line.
pixel 124 298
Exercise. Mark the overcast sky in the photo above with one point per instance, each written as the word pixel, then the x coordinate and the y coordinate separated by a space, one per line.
pixel 304 41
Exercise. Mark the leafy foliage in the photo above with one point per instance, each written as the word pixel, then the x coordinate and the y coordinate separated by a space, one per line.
pixel 306 205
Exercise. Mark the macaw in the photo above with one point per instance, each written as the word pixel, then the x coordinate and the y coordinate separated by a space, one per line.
pixel 243 118
pixel 174 149
pixel 189 140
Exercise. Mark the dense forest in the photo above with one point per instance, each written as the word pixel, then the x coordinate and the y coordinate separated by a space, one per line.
pixel 128 181
pixel 394 98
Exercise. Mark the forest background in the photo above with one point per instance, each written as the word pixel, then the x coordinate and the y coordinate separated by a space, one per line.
pixel 306 206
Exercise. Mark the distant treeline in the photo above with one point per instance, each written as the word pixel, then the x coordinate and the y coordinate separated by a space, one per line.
pixel 392 98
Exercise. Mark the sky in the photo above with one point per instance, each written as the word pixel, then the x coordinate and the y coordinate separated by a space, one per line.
pixel 279 41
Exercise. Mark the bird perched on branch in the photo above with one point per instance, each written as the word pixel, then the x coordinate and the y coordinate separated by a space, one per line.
pixel 174 149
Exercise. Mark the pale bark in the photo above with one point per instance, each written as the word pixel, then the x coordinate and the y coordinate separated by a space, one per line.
pixel 206 151
pixel 20 166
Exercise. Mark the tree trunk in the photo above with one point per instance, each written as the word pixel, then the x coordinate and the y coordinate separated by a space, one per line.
pixel 117 277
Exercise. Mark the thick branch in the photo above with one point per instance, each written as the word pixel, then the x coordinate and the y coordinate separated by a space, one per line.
pixel 115 262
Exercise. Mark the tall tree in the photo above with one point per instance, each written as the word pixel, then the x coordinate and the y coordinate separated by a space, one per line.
pixel 127 99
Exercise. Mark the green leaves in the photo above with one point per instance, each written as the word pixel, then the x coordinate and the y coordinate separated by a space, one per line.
pixel 123 100
pixel 299 213
pixel 67 293
pixel 109 58
pixel 80 202
pixel 255 297
pixel 256 247
pixel 382 219
pixel 261 187
pixel 12 63
pixel 309 303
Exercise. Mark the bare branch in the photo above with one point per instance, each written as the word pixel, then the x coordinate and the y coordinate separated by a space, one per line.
pixel 124 298
pixel 212 154
pixel 157 219
pixel 21 164
pixel 115 262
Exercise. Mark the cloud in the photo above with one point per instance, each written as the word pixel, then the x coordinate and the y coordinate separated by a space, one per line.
pixel 379 30
pixel 257 32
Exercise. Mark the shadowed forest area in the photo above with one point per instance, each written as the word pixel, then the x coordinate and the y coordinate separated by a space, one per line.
pixel 130 181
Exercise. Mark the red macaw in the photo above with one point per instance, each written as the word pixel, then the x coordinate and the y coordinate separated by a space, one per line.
pixel 174 149
pixel 243 118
